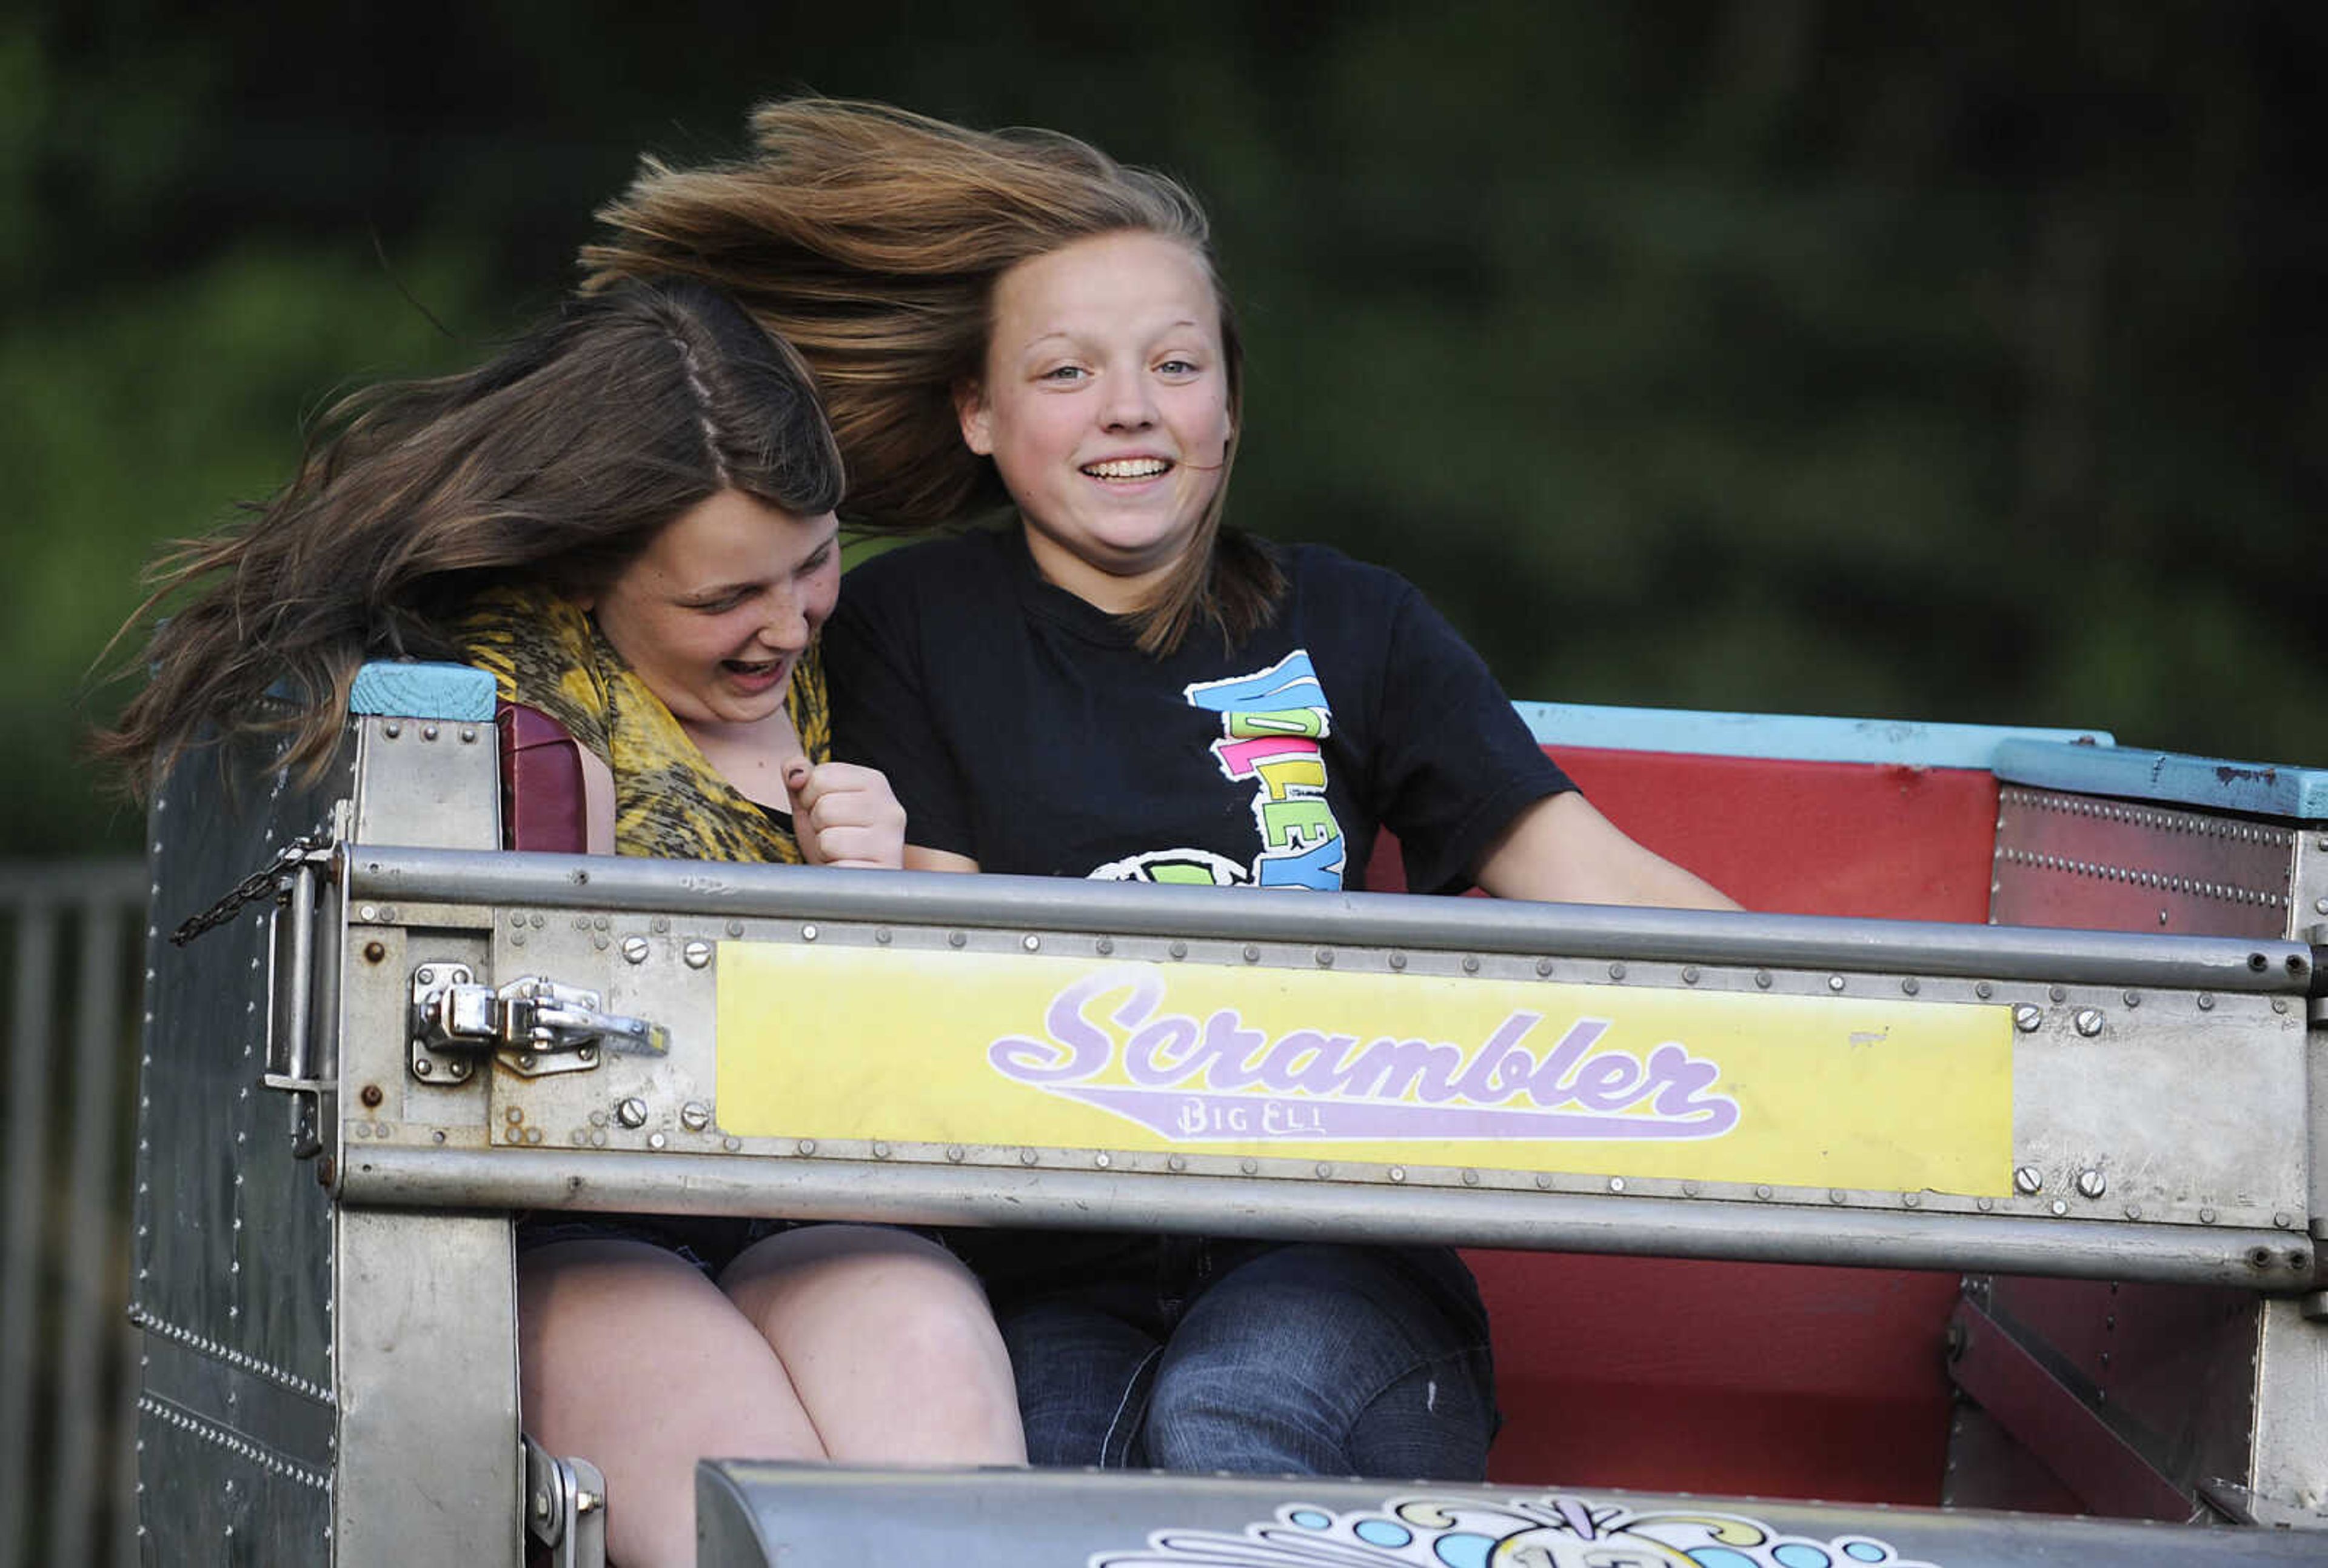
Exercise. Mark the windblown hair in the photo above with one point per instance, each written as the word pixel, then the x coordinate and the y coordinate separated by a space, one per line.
pixel 556 463
pixel 871 238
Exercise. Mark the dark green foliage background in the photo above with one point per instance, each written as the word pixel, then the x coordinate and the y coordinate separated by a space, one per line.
pixel 1912 359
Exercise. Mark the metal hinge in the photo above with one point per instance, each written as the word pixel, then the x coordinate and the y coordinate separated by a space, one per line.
pixel 566 1507
pixel 532 1025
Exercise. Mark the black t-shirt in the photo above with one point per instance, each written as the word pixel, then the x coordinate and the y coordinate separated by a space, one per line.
pixel 1022 727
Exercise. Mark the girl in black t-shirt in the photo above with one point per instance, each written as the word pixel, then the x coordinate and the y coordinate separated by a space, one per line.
pixel 1013 317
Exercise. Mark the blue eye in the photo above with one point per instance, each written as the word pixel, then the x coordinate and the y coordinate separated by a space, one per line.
pixel 1065 373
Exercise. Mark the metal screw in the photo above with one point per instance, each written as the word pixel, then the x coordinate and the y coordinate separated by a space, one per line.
pixel 1984 990
pixel 2206 1002
pixel 428 732
pixel 373 953
pixel 421 1068
pixel 1909 986
pixel 1398 961
pixel 1616 1184
pixel 468 735
pixel 630 1112
pixel 695 1115
pixel 655 1139
pixel 2060 1207
pixel 695 953
pixel 2089 1021
pixel 2131 999
pixel 1615 971
pixel 1104 946
pixel 1543 966
pixel 808 933
pixel 955 939
pixel 391 729
pixel 1762 978
pixel 1398 1173
pixel 880 1150
pixel 1689 974
pixel 634 949
pixel 1031 943
pixel 1762 1192
pixel 1252 954
pixel 2092 1183
pixel 2028 1181
pixel 371 1094
pixel 1471 966
pixel 1325 957
pixel 2028 1016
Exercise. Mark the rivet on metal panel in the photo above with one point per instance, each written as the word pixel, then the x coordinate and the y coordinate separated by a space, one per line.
pixel 2279 1004
pixel 808 933
pixel 391 729
pixel 1028 1157
pixel 1325 958
pixel 1398 1173
pixel 1398 961
pixel 1984 990
pixel 1104 946
pixel 1325 1169
pixel 2258 1257
pixel 1252 954
pixel 1616 972
pixel 1616 1184
pixel 731 1144
pixel 1689 974
pixel 528 1060
pixel 954 1152
pixel 2282 1219
pixel 1103 1160
pixel 695 1115
pixel 2206 1002
pixel 2060 1207
pixel 882 935
pixel 586 1053
pixel 2206 1216
pixel 734 928
pixel 370 1094
pixel 634 949
pixel 1912 1199
pixel 2089 1021
pixel 422 1068
pixel 1762 1192
pixel 2028 1181
pixel 1471 964
pixel 1543 966
pixel 1031 943
pixel 1178 1163
pixel 695 953
pixel 880 1150
pixel 1471 1179
pixel 655 1139
pixel 955 939
pixel 2162 917
pixel 2320 906
pixel 1542 1181
pixel 429 732
pixel 1910 986
pixel 581 923
pixel 373 953
pixel 537 920
pixel 468 735
pixel 1177 950
pixel 368 912
pixel 805 1146
pixel 2028 1016
pixel 1248 1165
pixel 1834 983
pixel 1762 978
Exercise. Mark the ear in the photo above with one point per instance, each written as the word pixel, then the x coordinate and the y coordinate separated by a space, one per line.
pixel 977 423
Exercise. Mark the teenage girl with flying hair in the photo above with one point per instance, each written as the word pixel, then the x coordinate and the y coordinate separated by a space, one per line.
pixel 1115 685
pixel 627 516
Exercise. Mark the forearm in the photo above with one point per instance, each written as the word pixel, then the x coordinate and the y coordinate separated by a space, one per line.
pixel 1562 849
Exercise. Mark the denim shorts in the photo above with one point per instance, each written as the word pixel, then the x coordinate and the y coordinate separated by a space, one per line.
pixel 709 1242
pixel 1190 1353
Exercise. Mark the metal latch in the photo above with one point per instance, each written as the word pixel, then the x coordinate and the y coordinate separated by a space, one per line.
pixel 532 1025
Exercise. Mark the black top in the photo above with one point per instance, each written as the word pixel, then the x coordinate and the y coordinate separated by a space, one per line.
pixel 1022 727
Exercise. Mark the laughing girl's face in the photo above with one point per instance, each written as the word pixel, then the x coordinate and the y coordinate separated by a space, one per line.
pixel 1104 403
pixel 714 614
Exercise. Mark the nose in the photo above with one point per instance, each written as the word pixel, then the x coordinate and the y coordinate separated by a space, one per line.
pixel 1131 404
pixel 784 629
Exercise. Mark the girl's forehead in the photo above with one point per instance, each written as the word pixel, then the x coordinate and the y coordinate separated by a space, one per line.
pixel 1130 280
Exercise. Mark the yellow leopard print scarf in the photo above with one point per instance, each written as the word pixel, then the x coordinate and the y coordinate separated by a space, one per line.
pixel 669 802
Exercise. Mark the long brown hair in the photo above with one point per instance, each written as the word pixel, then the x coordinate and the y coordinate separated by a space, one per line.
pixel 555 463
pixel 871 238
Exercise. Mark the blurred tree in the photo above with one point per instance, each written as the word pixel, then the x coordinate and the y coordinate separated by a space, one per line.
pixel 1768 353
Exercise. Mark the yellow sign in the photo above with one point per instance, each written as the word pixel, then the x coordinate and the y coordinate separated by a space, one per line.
pixel 944 1047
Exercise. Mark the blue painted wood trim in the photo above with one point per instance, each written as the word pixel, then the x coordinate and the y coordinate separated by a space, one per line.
pixel 1783 736
pixel 456 693
pixel 2205 783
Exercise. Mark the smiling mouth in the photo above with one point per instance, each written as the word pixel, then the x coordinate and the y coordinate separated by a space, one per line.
pixel 1129 468
pixel 752 669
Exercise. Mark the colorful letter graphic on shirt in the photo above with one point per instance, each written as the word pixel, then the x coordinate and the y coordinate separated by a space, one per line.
pixel 1271 722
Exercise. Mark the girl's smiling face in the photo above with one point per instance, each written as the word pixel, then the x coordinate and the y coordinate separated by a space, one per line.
pixel 1104 403
pixel 716 611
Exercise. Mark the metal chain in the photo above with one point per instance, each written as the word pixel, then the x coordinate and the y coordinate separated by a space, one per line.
pixel 264 883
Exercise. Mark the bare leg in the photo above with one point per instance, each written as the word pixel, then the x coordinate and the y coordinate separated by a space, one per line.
pixel 889 1341
pixel 630 1359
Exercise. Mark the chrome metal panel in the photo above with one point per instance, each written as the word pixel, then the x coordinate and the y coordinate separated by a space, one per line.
pixel 804 1517
pixel 2160 1132
pixel 425 781
pixel 2080 860
pixel 430 1456
pixel 2289 1460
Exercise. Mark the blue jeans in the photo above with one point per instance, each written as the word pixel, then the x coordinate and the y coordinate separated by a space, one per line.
pixel 1257 1357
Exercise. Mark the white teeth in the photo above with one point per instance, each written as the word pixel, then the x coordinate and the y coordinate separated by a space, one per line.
pixel 1128 468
